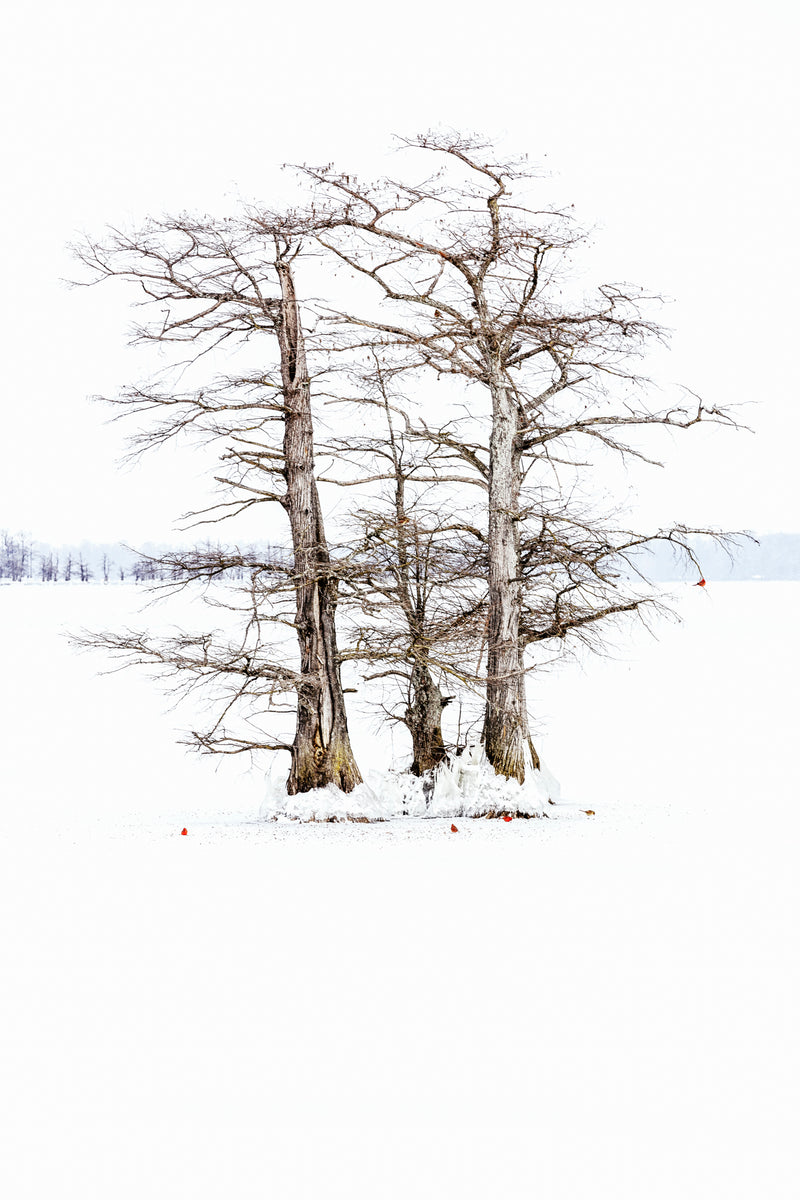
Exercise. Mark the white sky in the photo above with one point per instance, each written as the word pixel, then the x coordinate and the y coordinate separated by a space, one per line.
pixel 673 128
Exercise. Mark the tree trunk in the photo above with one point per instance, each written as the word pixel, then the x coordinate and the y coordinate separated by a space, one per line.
pixel 321 752
pixel 505 731
pixel 424 720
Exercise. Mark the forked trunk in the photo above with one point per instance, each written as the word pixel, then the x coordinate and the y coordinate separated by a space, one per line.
pixel 321 752
pixel 505 731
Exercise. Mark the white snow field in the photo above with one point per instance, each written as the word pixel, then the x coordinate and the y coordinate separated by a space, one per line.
pixel 580 1007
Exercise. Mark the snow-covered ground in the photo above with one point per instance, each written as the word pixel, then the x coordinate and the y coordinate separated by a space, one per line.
pixel 586 1006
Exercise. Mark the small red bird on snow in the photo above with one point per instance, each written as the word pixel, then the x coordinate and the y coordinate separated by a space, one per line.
pixel 700 583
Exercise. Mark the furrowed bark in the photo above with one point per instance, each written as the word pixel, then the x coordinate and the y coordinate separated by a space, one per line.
pixel 424 720
pixel 321 751
pixel 505 732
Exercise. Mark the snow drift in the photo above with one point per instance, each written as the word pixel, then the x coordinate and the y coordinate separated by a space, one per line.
pixel 464 786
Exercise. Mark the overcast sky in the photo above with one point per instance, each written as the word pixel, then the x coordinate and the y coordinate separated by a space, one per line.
pixel 670 127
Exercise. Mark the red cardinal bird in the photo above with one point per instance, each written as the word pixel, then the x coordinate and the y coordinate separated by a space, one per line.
pixel 454 829
pixel 506 817
pixel 184 832
pixel 700 583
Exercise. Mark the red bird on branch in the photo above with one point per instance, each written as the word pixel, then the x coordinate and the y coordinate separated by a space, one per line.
pixel 700 583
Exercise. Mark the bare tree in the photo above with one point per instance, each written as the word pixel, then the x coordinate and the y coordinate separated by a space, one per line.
pixel 48 567
pixel 411 613
pixel 216 284
pixel 414 605
pixel 419 605
pixel 16 556
pixel 476 276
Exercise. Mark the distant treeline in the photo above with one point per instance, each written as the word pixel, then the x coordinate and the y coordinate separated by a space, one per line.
pixel 24 559
pixel 772 556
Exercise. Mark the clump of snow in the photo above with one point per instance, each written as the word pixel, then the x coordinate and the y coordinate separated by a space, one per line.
pixel 464 786
pixel 326 804
pixel 470 787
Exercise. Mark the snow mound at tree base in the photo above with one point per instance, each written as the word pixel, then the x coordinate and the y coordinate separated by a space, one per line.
pixel 468 786
pixel 464 786
pixel 327 804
